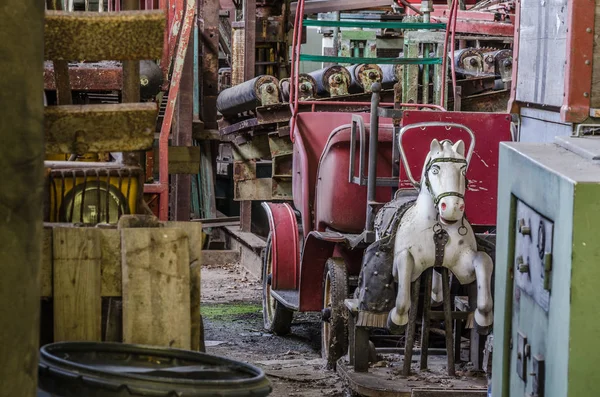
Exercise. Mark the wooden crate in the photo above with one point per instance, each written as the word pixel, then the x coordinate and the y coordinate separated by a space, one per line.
pixel 147 275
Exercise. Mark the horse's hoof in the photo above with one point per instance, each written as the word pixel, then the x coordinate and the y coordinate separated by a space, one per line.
pixel 483 330
pixel 372 353
pixel 435 303
pixel 394 328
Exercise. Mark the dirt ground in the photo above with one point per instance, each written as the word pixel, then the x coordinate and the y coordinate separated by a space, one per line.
pixel 232 313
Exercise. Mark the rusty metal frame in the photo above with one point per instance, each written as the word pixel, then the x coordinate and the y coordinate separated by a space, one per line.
pixel 513 106
pixel 579 58
pixel 295 67
pixel 106 77
pixel 185 34
pixel 476 22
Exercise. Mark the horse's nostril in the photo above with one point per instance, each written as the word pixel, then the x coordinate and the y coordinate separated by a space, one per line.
pixel 462 207
pixel 443 206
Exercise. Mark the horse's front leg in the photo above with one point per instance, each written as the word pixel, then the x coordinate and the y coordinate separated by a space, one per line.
pixel 404 264
pixel 484 316
pixel 437 295
pixel 477 266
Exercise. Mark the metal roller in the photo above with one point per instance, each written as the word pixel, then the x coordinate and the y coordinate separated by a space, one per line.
pixel 306 89
pixel 469 62
pixel 503 60
pixel 391 75
pixel 151 79
pixel 260 91
pixel 331 81
pixel 363 76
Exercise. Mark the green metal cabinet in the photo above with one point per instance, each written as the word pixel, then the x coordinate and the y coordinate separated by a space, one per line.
pixel 547 275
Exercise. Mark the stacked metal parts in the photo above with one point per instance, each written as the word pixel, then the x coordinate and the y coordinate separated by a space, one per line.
pixel 363 76
pixel 246 97
pixel 307 86
pixel 332 81
pixel 480 62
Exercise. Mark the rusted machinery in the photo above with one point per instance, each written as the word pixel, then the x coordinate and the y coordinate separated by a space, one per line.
pixel 101 82
pixel 363 76
pixel 391 74
pixel 478 62
pixel 245 97
pixel 306 89
pixel 332 81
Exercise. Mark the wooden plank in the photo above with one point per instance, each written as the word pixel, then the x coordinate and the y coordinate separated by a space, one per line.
pixel 595 98
pixel 410 79
pixel 77 284
pixel 46 269
pixel 21 156
pixel 220 257
pixel 99 128
pixel 182 159
pixel 120 36
pixel 195 237
pixel 195 243
pixel 156 287
pixel 253 189
pixel 197 330
pixel 110 243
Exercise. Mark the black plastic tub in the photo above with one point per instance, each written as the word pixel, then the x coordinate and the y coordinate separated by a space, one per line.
pixel 88 369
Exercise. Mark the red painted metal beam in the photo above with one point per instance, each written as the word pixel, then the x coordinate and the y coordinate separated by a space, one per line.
pixel 185 29
pixel 580 54
pixel 478 23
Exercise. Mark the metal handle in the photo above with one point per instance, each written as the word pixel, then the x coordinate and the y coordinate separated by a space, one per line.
pixel 426 125
pixel 357 121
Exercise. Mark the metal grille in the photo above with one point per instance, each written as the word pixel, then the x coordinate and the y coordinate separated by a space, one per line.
pixel 91 195
pixel 388 52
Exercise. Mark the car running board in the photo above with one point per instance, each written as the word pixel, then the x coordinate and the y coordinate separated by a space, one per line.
pixel 290 298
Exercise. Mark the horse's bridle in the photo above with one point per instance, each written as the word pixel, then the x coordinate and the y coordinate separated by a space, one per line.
pixel 439 197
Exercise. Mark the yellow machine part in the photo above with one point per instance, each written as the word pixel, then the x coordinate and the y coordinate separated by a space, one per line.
pixel 88 157
pixel 60 187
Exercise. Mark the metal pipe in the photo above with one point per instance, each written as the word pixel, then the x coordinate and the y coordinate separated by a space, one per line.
pixel 408 105
pixel 426 9
pixel 373 143
pixel 336 33
pixel 400 350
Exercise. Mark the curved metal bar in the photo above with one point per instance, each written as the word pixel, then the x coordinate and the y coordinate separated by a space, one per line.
pixel 382 104
pixel 426 125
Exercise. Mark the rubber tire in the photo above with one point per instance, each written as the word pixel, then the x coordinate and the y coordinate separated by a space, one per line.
pixel 277 319
pixel 335 345
pixel 60 375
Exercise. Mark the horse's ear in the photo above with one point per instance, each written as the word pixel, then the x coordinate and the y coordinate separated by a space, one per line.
pixel 459 147
pixel 435 146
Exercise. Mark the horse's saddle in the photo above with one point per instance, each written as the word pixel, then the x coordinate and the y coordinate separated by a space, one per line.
pixel 376 292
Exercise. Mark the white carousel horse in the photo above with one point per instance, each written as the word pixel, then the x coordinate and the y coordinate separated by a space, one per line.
pixel 434 232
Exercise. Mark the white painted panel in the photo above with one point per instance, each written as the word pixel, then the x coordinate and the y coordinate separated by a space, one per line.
pixel 542 52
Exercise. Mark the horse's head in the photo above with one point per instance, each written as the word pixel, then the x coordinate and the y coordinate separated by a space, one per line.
pixel 444 177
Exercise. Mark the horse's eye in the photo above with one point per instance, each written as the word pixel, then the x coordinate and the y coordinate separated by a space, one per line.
pixel 435 170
